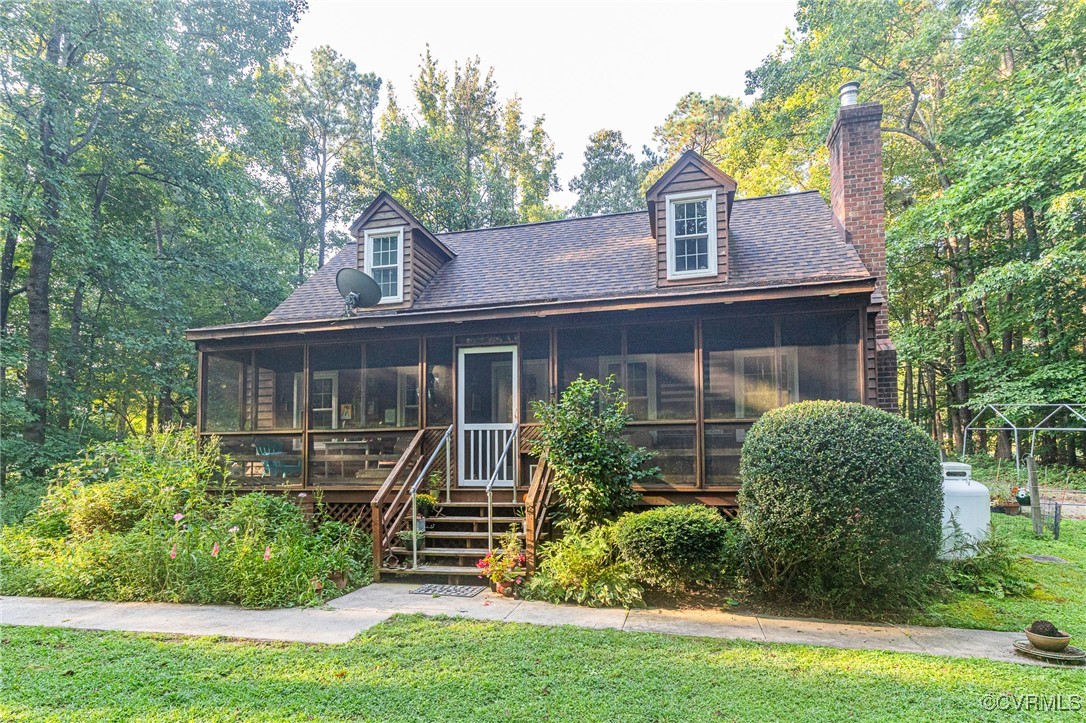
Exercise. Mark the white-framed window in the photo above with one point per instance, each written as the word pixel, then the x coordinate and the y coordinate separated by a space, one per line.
pixel 757 380
pixel 384 261
pixel 639 385
pixel 691 234
pixel 323 400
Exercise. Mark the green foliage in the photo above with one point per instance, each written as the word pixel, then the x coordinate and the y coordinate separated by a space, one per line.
pixel 610 181
pixel 418 662
pixel 426 504
pixel 984 136
pixel 584 567
pixel 139 520
pixel 675 546
pixel 990 567
pixel 841 506
pixel 595 468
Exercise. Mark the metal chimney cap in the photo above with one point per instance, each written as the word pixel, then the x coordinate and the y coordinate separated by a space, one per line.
pixel 848 92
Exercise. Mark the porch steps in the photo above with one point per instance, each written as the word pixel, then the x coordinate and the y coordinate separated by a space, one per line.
pixel 456 538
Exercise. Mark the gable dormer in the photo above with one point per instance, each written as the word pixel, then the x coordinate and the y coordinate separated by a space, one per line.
pixel 399 252
pixel 689 210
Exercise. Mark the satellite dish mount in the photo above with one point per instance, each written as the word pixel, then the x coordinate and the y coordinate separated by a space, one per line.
pixel 359 290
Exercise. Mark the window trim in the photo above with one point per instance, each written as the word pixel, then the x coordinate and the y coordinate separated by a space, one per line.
pixel 371 233
pixel 711 227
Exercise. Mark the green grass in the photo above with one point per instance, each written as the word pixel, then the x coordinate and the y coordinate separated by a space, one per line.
pixel 1059 596
pixel 413 668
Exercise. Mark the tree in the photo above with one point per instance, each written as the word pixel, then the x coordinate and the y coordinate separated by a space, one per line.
pixel 610 181
pixel 321 118
pixel 468 160
pixel 985 136
pixel 696 123
pixel 98 97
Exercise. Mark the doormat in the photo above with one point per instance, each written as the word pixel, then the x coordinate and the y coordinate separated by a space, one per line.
pixel 449 590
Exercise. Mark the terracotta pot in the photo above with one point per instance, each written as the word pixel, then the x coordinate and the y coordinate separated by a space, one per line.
pixel 504 588
pixel 1011 508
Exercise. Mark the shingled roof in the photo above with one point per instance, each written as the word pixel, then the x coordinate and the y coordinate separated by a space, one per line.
pixel 775 241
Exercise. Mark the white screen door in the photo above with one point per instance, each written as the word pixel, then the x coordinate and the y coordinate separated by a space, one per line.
pixel 487 397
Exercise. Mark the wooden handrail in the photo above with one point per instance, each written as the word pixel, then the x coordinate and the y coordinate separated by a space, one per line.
pixel 536 504
pixel 377 521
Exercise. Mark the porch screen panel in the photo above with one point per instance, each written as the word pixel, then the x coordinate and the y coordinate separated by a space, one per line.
pixel 279 388
pixel 741 374
pixel 723 443
pixel 228 392
pixel 335 386
pixel 673 445
pixel 660 371
pixel 589 351
pixel 826 350
pixel 535 352
pixel 439 381
pixel 391 384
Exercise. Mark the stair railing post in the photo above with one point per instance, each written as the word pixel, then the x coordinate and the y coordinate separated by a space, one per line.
pixel 414 531
pixel 489 519
pixel 448 466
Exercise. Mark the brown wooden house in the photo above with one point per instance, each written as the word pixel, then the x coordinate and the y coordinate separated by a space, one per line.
pixel 708 308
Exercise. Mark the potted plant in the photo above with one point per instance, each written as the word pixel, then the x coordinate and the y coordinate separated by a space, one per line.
pixel 504 567
pixel 426 504
pixel 411 537
pixel 1020 495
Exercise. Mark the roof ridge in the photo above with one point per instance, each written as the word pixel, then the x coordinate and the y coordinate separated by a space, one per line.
pixel 542 223
pixel 779 195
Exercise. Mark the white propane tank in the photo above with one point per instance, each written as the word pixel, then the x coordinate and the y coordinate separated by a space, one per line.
pixel 968 502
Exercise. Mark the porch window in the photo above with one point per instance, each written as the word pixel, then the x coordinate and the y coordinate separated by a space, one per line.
pixel 535 353
pixel 391 386
pixel 583 351
pixel 384 261
pixel 279 388
pixel 741 367
pixel 228 392
pixel 439 381
pixel 660 366
pixel 335 391
pixel 826 350
pixel 692 242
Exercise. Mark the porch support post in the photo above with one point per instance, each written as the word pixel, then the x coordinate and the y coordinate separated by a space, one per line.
pixel 699 405
pixel 201 389
pixel 305 415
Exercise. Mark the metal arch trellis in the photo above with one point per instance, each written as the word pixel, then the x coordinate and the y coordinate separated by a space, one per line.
pixel 1076 411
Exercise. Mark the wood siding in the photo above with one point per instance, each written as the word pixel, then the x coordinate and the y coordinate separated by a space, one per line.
pixel 385 216
pixel 692 178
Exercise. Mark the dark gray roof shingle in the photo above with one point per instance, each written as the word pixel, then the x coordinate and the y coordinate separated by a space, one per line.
pixel 775 240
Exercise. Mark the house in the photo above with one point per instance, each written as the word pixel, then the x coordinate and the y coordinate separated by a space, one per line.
pixel 709 310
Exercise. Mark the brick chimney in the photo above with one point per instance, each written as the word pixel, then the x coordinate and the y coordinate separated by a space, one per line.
pixel 856 195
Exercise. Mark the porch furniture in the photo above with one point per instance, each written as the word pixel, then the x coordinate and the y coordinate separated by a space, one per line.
pixel 275 461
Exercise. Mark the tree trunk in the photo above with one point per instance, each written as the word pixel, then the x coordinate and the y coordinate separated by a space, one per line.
pixel 7 268
pixel 71 360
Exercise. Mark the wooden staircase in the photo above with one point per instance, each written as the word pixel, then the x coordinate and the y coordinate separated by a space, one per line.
pixel 456 537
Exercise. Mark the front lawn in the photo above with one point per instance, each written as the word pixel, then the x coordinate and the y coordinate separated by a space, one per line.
pixel 414 668
pixel 1060 595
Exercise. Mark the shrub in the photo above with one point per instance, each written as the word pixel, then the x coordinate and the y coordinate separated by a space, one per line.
pixel 672 547
pixel 135 520
pixel 594 466
pixel 989 566
pixel 841 504
pixel 583 567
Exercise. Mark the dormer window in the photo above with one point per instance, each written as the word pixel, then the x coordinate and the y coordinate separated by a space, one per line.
pixel 692 226
pixel 384 261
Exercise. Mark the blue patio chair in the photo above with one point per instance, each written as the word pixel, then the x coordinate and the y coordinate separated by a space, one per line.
pixel 274 459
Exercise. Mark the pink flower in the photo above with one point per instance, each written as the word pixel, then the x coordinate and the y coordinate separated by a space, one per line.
pixel 233 529
pixel 173 552
pixel 215 550
pixel 267 553
pixel 178 517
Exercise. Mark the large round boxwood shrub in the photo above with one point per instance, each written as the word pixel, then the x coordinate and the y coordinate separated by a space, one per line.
pixel 841 505
pixel 675 546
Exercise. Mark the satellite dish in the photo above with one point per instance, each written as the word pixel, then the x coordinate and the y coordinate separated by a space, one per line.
pixel 359 290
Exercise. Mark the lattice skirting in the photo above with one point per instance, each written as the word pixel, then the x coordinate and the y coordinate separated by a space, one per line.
pixel 353 513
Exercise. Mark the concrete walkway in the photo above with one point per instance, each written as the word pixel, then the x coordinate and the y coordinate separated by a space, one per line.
pixel 345 617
